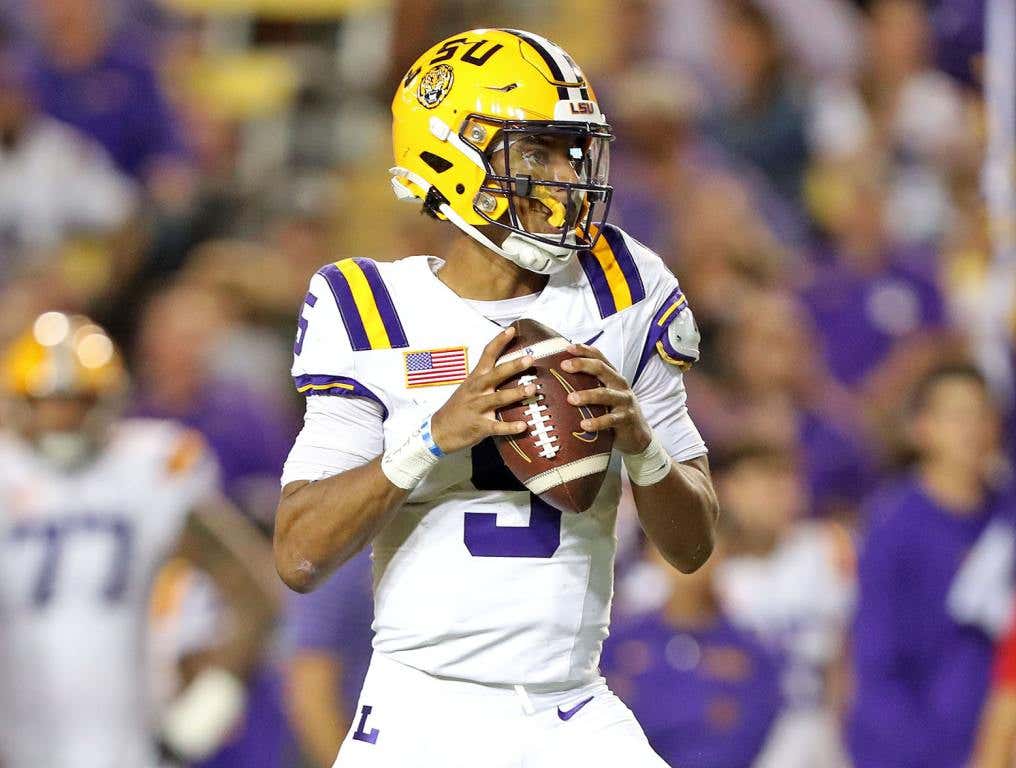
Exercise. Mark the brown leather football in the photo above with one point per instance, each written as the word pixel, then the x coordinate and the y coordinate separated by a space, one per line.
pixel 555 459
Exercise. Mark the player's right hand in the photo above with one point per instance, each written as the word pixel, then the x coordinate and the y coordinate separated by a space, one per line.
pixel 468 417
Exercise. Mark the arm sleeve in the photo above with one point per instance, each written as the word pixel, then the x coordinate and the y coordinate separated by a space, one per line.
pixel 338 434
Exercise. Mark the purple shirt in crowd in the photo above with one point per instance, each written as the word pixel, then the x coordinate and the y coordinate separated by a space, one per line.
pixel 837 469
pixel 249 440
pixel 336 619
pixel 706 698
pixel 920 677
pixel 117 100
pixel 859 318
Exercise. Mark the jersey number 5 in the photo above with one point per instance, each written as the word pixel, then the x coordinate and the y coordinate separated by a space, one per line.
pixel 483 537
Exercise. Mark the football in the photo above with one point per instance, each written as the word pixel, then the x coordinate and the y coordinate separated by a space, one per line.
pixel 555 459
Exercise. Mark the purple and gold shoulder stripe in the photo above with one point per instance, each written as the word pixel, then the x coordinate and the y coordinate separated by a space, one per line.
pixel 612 272
pixel 678 345
pixel 365 305
pixel 343 386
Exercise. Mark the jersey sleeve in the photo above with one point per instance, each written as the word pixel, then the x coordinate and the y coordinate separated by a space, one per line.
pixel 661 396
pixel 343 420
pixel 663 343
pixel 664 324
pixel 323 358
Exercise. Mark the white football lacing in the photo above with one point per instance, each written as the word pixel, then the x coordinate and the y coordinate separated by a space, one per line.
pixel 539 421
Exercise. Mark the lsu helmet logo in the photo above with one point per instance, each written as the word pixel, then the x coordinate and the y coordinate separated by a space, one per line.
pixel 435 85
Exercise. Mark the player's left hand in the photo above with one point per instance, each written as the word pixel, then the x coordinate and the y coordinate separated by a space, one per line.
pixel 631 432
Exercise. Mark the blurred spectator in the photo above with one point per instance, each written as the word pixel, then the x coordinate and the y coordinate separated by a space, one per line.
pixel 260 285
pixel 824 35
pixel 705 692
pixel 330 633
pixel 93 74
pixel 762 121
pixel 655 109
pixel 178 336
pixel 54 182
pixel 791 581
pixel 904 116
pixel 877 306
pixel 185 631
pixel 920 676
pixel 772 388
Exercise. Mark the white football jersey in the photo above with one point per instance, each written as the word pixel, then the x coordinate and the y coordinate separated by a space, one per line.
pixel 476 578
pixel 78 554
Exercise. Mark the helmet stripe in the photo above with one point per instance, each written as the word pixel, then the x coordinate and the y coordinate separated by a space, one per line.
pixel 566 64
pixel 548 59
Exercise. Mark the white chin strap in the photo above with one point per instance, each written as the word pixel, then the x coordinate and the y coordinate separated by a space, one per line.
pixel 524 251
pixel 533 255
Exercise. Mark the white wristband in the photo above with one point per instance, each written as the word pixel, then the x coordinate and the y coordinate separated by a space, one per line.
pixel 409 463
pixel 650 466
pixel 203 716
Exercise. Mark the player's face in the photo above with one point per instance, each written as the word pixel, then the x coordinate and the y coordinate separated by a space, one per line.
pixel 958 425
pixel 763 498
pixel 66 431
pixel 58 414
pixel 544 157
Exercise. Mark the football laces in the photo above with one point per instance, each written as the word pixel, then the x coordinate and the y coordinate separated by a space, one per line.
pixel 540 426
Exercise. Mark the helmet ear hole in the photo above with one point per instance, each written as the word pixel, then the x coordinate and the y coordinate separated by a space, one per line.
pixel 436 162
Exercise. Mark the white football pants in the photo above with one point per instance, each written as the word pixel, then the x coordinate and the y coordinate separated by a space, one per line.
pixel 409 719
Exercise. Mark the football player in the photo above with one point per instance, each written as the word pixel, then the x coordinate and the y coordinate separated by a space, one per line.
pixel 491 605
pixel 90 506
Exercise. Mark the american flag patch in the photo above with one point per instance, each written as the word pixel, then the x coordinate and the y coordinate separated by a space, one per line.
pixel 434 367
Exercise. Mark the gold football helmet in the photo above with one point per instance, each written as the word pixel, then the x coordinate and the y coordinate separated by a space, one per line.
pixel 65 382
pixel 477 121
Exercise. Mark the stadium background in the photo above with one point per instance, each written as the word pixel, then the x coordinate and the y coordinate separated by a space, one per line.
pixel 814 171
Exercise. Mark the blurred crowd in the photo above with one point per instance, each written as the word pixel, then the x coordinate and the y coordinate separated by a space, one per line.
pixel 811 171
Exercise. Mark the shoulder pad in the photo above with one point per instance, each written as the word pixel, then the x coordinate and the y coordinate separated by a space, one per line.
pixel 188 449
pixel 365 305
pixel 673 335
pixel 613 272
pixel 679 345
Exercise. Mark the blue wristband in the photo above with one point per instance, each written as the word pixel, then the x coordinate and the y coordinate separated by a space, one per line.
pixel 428 439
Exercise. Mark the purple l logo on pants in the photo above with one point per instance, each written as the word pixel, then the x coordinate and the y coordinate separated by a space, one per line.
pixel 362 735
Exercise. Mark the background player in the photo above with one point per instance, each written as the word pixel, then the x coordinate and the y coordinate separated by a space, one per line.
pixel 491 606
pixel 90 506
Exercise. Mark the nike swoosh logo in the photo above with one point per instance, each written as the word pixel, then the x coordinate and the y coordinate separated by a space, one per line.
pixel 568 714
pixel 589 343
pixel 503 88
